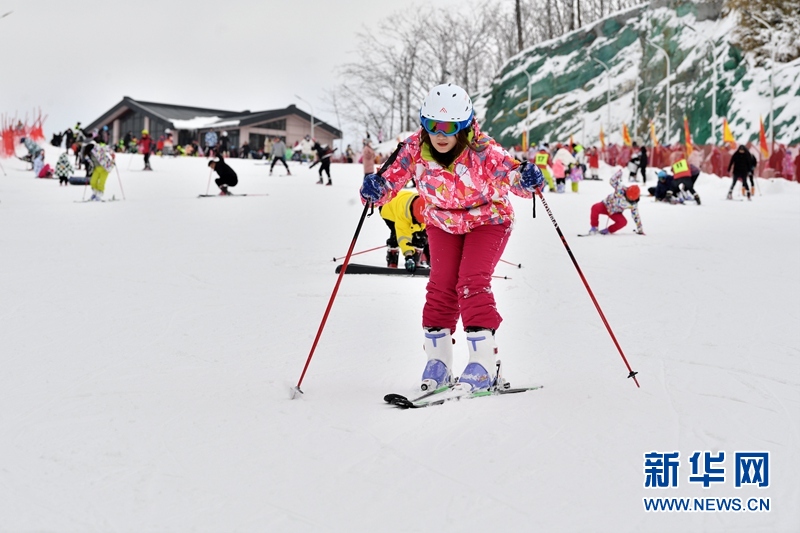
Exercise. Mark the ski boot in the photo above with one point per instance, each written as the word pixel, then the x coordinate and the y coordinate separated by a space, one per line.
pixel 697 198
pixel 439 349
pixel 392 256
pixel 560 188
pixel 320 182
pixel 481 371
pixel 329 183
pixel 592 230
pixel 730 195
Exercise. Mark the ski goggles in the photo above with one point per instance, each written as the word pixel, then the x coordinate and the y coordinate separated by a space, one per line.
pixel 445 128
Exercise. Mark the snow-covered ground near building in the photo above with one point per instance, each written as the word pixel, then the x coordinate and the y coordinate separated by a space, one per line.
pixel 149 345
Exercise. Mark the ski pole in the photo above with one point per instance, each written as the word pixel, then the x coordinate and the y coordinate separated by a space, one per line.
pixel 208 187
pixel 4 170
pixel 361 252
pixel 631 373
pixel 120 181
pixel 295 391
pixel 518 265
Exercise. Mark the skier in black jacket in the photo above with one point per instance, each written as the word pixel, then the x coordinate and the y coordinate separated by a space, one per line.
pixel 227 176
pixel 741 163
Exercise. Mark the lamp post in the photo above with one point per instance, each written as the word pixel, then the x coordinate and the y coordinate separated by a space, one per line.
pixel 527 109
pixel 648 41
pixel 312 113
pixel 608 91
pixel 529 105
pixel 713 86
pixel 771 77
pixel 636 102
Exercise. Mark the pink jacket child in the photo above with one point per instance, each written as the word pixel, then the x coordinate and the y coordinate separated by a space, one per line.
pixel 464 178
pixel 559 172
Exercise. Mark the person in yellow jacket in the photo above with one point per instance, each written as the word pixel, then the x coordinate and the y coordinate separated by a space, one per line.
pixel 403 216
pixel 542 160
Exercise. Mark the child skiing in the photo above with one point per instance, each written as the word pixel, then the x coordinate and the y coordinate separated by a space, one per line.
pixel 741 164
pixel 464 178
pixel 40 168
pixel 146 147
pixel 614 206
pixel 227 176
pixel 63 169
pixel 563 162
pixel 542 160
pixel 403 215
pixel 279 154
pixel 324 154
pixel 594 164
pixel 102 159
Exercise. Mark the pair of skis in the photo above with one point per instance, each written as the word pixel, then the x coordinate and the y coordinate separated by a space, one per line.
pixel 229 194
pixel 449 393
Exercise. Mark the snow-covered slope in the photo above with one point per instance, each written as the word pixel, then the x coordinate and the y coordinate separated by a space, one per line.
pixel 569 87
pixel 148 347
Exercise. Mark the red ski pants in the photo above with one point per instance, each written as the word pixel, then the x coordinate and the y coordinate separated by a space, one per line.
pixel 600 209
pixel 461 277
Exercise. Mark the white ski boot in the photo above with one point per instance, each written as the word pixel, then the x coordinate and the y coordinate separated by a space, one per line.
pixel 481 371
pixel 439 349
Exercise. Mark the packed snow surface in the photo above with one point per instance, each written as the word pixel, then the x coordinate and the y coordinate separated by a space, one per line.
pixel 149 346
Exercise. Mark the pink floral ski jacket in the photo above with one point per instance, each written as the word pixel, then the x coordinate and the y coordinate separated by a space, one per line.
pixel 471 192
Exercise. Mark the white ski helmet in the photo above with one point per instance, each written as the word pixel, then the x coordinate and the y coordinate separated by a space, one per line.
pixel 447 103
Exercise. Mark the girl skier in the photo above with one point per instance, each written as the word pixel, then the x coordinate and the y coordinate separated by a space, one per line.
pixel 464 178
pixel 614 206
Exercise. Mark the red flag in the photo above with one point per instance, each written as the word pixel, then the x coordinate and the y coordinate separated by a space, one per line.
pixel 688 136
pixel 762 139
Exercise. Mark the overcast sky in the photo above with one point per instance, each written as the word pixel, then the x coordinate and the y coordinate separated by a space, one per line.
pixel 76 59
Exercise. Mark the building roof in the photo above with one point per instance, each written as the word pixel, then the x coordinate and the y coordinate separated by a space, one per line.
pixel 196 118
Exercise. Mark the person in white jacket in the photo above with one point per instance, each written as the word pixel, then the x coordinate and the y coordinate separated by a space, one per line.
pixel 567 160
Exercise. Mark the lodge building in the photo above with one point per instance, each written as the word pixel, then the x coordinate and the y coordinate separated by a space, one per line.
pixel 191 123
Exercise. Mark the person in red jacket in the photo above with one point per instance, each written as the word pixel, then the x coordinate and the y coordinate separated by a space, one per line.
pixel 146 147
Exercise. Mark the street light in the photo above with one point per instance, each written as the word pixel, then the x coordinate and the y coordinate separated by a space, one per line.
pixel 713 86
pixel 528 109
pixel 636 102
pixel 648 41
pixel 771 79
pixel 312 113
pixel 608 91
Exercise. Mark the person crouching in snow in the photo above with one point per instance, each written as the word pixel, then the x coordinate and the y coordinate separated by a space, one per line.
pixel 227 176
pixel 464 178
pixel 63 169
pixel 615 205
pixel 102 159
pixel 40 169
pixel 403 215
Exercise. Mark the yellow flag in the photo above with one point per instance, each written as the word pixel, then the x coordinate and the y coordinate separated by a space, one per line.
pixel 602 138
pixel 626 137
pixel 653 137
pixel 727 136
